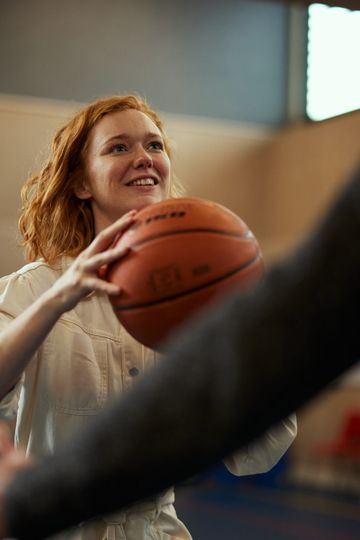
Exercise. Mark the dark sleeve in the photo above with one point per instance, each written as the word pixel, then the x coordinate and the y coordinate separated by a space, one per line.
pixel 251 361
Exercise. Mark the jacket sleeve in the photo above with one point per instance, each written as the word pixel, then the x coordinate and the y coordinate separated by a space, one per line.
pixel 261 455
pixel 279 346
pixel 15 296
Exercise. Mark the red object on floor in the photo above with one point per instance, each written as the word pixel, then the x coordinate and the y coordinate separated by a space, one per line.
pixel 347 443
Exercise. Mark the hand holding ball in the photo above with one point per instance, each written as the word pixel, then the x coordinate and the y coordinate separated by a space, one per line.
pixel 184 253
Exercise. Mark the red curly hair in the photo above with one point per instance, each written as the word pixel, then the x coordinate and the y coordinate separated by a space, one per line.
pixel 53 221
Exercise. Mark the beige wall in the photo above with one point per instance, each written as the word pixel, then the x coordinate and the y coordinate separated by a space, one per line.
pixel 216 160
pixel 279 182
pixel 26 127
pixel 304 167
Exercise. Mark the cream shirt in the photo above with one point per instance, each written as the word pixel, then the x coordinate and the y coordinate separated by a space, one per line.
pixel 87 358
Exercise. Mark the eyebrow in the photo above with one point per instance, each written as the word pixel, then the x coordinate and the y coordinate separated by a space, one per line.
pixel 125 136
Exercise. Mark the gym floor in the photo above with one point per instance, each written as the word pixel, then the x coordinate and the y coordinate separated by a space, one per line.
pixel 217 507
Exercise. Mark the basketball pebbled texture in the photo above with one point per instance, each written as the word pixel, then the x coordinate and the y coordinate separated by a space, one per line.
pixel 184 253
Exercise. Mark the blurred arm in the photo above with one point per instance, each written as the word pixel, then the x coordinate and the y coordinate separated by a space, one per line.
pixel 279 345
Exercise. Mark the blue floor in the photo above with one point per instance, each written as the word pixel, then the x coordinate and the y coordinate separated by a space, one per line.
pixel 216 508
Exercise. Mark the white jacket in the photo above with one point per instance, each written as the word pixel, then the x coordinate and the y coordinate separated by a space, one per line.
pixel 87 358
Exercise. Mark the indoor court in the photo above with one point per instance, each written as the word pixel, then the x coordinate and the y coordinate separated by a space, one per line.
pixel 260 101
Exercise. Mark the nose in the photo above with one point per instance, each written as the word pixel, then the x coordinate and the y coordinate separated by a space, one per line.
pixel 142 159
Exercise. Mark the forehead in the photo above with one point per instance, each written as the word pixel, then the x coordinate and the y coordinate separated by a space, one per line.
pixel 129 122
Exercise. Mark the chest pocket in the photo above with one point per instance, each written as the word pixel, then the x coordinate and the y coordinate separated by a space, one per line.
pixel 74 370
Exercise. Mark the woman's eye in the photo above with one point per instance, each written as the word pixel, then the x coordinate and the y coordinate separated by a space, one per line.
pixel 117 148
pixel 156 145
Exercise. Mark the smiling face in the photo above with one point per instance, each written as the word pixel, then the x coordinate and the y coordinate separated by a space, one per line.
pixel 126 166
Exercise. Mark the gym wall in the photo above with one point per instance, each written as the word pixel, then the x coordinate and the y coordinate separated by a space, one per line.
pixel 279 181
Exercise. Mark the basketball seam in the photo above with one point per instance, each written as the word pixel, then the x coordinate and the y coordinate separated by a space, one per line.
pixel 244 235
pixel 188 291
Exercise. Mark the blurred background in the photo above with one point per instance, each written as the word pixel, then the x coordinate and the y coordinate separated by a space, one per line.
pixel 261 100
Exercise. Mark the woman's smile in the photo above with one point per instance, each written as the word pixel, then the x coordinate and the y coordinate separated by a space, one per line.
pixel 126 166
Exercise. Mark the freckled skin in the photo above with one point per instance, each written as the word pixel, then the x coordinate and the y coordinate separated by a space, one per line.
pixel 124 146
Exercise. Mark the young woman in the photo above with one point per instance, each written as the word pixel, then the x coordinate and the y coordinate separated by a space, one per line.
pixel 63 353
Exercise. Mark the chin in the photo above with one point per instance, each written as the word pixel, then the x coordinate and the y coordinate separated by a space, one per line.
pixel 146 201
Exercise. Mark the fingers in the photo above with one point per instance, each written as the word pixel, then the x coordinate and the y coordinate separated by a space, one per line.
pixel 105 238
pixel 104 258
pixel 100 263
pixel 94 271
pixel 88 272
pixel 101 285
pixel 97 257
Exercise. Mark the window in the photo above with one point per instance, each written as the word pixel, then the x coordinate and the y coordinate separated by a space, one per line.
pixel 333 63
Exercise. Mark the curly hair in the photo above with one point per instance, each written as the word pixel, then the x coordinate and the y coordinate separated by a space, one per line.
pixel 53 221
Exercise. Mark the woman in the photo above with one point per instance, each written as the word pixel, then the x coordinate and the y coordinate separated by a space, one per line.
pixel 63 352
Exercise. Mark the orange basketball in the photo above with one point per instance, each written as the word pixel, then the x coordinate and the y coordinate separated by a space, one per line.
pixel 184 253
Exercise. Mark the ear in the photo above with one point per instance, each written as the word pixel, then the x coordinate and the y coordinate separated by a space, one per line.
pixel 81 190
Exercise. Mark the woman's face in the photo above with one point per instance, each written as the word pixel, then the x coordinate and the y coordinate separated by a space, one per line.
pixel 126 166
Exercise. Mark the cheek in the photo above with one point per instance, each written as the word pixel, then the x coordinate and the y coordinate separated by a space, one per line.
pixel 165 167
pixel 114 172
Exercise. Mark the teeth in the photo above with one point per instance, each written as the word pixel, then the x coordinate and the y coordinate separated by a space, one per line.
pixel 143 182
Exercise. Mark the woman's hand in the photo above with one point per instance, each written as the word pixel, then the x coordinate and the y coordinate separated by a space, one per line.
pixel 83 276
pixel 24 335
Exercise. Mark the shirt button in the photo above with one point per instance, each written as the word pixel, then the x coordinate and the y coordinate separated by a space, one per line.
pixel 133 371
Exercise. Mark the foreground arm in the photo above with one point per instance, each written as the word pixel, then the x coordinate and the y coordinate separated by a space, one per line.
pixel 250 362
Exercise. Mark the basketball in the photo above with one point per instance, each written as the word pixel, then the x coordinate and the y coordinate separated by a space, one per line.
pixel 184 253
